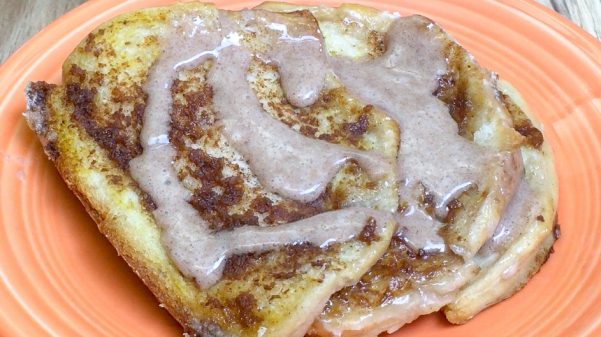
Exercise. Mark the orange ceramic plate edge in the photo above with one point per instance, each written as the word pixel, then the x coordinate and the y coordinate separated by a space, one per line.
pixel 53 262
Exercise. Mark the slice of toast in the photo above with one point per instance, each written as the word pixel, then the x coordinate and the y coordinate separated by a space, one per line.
pixel 90 127
pixel 517 250
pixel 404 285
pixel 385 299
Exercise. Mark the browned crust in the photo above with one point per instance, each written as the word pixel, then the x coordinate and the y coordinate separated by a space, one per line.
pixel 38 116
pixel 523 124
pixel 119 135
pixel 38 95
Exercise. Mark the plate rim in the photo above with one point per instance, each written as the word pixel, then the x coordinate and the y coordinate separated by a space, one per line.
pixel 8 70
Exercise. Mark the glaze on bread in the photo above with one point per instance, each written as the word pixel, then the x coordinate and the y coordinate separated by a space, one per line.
pixel 292 170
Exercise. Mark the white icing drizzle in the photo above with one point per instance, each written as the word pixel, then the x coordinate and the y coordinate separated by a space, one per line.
pixel 432 153
pixel 400 82
pixel 284 161
pixel 304 165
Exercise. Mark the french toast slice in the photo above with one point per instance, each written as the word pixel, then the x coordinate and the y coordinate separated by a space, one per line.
pixel 90 125
pixel 385 300
pixel 404 285
pixel 517 250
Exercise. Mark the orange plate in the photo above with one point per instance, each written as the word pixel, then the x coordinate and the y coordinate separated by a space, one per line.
pixel 59 276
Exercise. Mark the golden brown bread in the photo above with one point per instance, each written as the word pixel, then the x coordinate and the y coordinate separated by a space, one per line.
pixel 89 127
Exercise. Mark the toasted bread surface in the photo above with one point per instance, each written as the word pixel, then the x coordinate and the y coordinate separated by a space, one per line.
pixel 90 127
